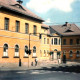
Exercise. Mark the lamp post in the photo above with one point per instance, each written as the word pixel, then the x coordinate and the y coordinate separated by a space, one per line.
pixel 29 50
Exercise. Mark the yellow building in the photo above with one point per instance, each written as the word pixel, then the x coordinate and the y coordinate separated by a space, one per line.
pixel 18 26
pixel 45 43
pixel 19 34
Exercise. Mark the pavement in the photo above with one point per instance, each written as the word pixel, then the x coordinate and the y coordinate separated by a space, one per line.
pixel 41 65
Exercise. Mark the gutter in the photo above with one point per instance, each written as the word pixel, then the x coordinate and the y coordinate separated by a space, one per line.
pixel 21 13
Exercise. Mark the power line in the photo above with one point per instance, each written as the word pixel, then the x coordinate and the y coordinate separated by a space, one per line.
pixel 59 22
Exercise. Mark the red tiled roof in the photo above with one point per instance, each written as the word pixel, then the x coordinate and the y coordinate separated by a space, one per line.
pixel 8 4
pixel 70 29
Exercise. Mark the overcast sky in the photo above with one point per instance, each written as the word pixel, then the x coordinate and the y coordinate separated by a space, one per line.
pixel 55 11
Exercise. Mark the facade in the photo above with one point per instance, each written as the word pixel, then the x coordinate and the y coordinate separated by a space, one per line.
pixel 45 43
pixel 69 40
pixel 20 30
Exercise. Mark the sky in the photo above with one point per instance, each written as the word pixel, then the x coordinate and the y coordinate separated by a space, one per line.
pixel 55 12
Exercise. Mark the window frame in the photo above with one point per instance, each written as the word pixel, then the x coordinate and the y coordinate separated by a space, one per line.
pixel 26 28
pixel 16 54
pixel 77 41
pixel 71 53
pixel 17 26
pixel 5 50
pixel 55 41
pixel 34 51
pixel 77 53
pixel 44 40
pixel 71 41
pixel 34 30
pixel 6 25
pixel 64 41
pixel 25 49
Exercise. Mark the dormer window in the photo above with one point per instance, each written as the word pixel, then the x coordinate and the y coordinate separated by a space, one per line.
pixel 68 31
pixel 18 6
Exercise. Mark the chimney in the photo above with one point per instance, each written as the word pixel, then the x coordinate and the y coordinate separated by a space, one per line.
pixel 66 23
pixel 19 1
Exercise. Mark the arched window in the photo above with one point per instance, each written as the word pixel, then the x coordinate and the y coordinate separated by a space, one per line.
pixel 34 51
pixel 17 50
pixel 5 50
pixel 78 54
pixel 26 48
pixel 71 53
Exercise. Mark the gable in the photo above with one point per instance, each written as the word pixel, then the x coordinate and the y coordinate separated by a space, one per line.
pixel 55 34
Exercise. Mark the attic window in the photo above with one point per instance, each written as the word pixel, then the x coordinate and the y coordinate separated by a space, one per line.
pixel 69 30
pixel 18 6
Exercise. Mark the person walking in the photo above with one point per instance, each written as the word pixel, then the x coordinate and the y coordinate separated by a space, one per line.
pixel 36 61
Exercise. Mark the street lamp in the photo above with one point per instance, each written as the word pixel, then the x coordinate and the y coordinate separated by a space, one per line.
pixel 29 50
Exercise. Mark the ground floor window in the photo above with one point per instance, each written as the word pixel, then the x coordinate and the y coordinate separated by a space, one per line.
pixel 44 53
pixel 47 53
pixel 5 50
pixel 26 49
pixel 40 53
pixel 71 53
pixel 16 50
pixel 78 54
pixel 34 51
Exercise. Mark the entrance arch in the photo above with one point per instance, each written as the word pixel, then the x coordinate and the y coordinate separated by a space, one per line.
pixel 55 54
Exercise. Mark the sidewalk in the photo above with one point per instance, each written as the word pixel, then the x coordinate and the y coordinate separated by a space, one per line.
pixel 43 64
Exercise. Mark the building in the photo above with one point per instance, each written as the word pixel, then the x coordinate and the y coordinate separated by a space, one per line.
pixel 45 43
pixel 68 40
pixel 22 32
pixel 18 28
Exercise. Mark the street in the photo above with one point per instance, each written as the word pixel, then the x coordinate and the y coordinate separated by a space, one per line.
pixel 44 73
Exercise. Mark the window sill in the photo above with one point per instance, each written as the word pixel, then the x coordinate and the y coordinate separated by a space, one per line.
pixel 5 57
pixel 34 57
pixel 16 56
pixel 25 57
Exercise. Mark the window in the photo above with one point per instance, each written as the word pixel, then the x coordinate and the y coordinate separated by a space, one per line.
pixel 34 30
pixel 44 40
pixel 6 26
pixel 44 53
pixel 47 41
pixel 17 26
pixel 47 52
pixel 40 53
pixel 5 52
pixel 77 41
pixel 26 28
pixel 71 41
pixel 64 41
pixel 34 51
pixel 55 41
pixel 52 41
pixel 59 41
pixel 16 51
pixel 78 54
pixel 71 53
pixel 26 49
